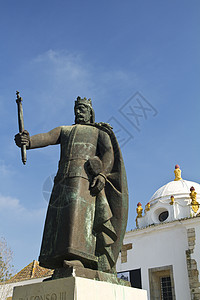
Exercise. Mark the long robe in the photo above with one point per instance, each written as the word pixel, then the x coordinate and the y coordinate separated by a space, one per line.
pixel 79 225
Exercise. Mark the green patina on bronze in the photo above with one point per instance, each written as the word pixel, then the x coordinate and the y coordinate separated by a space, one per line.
pixel 88 209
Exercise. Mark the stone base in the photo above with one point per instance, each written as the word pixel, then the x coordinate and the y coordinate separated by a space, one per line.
pixel 77 271
pixel 77 288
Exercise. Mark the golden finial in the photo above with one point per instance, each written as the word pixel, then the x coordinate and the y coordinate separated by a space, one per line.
pixel 172 200
pixel 177 173
pixel 193 196
pixel 147 207
pixel 139 212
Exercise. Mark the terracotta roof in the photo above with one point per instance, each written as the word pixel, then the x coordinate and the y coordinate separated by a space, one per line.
pixel 32 271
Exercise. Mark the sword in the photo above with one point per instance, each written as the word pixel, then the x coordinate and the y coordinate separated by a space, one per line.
pixel 21 125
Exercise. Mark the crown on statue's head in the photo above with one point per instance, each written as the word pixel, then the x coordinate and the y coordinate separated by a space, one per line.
pixel 83 101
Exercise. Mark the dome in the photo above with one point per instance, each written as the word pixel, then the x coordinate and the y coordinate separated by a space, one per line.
pixel 178 189
pixel 175 200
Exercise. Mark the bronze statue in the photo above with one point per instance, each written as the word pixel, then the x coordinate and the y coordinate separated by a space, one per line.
pixel 87 213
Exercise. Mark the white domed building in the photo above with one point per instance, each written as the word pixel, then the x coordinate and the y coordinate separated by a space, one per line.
pixel 162 255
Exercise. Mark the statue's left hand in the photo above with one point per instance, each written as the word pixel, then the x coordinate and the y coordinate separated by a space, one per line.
pixel 97 184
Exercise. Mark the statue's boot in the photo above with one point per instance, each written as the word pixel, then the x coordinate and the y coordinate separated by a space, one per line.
pixel 72 263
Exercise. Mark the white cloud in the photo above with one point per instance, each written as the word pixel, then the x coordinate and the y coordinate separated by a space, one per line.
pixel 9 202
pixel 64 65
pixel 70 74
pixel 63 71
pixel 5 170
pixel 12 209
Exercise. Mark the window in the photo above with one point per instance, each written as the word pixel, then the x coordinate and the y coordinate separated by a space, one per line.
pixel 163 216
pixel 166 288
pixel 136 280
pixel 161 283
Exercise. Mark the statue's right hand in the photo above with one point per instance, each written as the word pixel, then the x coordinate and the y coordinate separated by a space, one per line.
pixel 22 139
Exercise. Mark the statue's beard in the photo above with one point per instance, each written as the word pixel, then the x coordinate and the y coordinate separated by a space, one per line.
pixel 81 119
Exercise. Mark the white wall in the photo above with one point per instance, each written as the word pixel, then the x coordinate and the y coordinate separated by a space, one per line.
pixel 159 246
pixel 196 254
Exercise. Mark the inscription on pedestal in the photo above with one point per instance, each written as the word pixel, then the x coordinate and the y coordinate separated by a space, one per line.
pixel 52 296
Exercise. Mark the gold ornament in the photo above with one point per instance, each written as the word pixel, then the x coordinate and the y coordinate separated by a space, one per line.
pixel 172 200
pixel 177 173
pixel 139 212
pixel 193 196
pixel 147 207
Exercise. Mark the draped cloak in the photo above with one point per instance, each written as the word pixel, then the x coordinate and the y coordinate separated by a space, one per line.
pixel 79 225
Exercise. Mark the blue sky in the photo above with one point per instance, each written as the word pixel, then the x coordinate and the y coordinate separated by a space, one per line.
pixel 54 51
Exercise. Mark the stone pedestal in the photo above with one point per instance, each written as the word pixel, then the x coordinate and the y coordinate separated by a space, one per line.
pixel 77 288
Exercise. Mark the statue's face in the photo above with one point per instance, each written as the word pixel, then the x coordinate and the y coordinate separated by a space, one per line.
pixel 82 114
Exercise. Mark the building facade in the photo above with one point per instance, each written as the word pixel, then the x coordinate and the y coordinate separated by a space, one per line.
pixel 162 255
